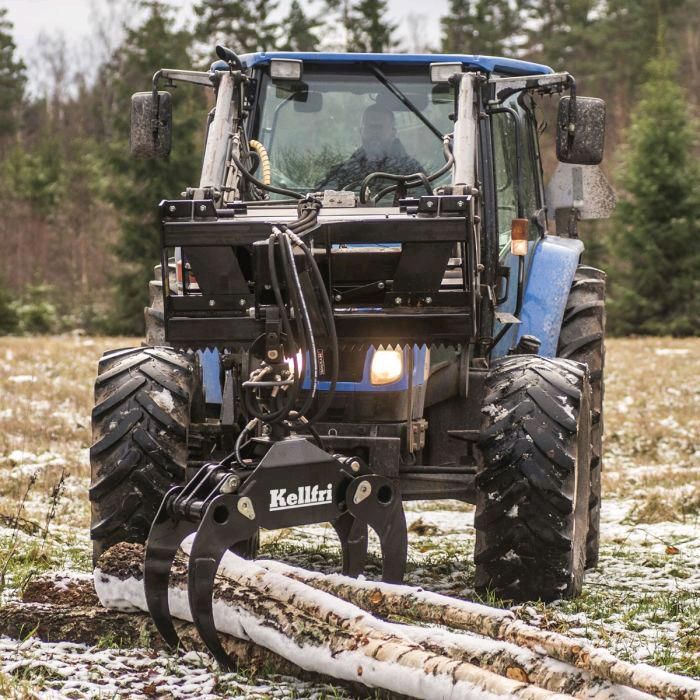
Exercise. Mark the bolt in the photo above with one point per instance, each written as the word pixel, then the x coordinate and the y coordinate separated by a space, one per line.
pixel 380 285
pixel 355 465
pixel 363 490
pixel 338 297
pixel 397 300
pixel 230 484
pixel 242 302
pixel 272 354
pixel 428 300
pixel 245 508
pixel 212 302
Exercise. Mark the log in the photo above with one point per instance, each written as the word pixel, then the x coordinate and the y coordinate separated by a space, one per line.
pixel 314 630
pixel 503 658
pixel 417 604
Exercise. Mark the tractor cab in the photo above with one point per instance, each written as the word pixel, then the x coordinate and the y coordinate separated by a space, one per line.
pixel 378 126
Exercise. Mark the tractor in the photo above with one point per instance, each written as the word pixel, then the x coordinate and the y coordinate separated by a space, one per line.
pixel 361 304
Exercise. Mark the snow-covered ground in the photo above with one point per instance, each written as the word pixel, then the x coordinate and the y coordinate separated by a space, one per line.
pixel 642 602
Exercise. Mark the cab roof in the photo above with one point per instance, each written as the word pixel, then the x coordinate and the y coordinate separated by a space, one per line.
pixel 489 64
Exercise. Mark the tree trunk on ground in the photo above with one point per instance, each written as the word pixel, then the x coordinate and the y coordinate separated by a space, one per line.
pixel 314 630
pixel 314 627
pixel 416 604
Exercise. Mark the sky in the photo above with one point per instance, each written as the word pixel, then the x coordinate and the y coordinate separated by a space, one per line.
pixel 74 18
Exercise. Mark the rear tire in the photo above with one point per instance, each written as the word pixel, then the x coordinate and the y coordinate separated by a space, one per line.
pixel 582 338
pixel 533 481
pixel 140 426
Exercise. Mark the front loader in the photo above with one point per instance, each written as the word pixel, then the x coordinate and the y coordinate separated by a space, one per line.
pixel 360 304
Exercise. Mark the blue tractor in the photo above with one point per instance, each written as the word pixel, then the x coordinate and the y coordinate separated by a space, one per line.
pixel 360 304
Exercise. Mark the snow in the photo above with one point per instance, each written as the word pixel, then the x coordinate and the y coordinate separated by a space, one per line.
pixel 164 399
pixel 22 379
pixel 78 671
pixel 664 352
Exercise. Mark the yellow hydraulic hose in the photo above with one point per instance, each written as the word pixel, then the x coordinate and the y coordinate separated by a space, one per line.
pixel 264 161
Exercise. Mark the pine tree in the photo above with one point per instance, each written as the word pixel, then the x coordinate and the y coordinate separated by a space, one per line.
pixel 488 27
pixel 299 30
pixel 242 25
pixel 368 28
pixel 656 259
pixel 138 185
pixel 13 77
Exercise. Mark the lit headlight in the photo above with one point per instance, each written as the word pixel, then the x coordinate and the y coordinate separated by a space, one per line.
pixel 300 363
pixel 387 366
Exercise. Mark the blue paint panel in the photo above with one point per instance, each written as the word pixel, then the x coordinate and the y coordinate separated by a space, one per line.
pixel 491 64
pixel 365 385
pixel 547 288
pixel 211 375
pixel 512 261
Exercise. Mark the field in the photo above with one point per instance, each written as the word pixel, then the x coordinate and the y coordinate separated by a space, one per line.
pixel 642 602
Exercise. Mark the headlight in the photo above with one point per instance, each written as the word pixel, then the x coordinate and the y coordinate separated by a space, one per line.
pixel 387 366
pixel 300 363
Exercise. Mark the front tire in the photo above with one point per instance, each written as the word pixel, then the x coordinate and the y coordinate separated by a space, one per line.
pixel 140 426
pixel 533 481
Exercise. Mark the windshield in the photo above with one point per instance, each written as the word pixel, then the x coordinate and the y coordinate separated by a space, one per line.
pixel 339 124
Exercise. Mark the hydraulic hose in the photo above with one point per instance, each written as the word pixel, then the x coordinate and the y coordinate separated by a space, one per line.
pixel 264 161
pixel 259 183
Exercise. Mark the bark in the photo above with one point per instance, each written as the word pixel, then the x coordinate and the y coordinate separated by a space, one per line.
pixel 314 630
pixel 416 604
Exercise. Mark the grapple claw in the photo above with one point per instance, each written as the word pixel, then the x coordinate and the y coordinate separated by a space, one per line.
pixel 352 534
pixel 376 501
pixel 295 483
pixel 222 527
pixel 164 539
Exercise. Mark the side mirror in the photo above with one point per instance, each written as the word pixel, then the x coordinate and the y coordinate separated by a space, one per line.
pixel 151 125
pixel 583 144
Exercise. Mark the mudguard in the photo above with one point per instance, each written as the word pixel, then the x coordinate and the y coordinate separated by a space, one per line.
pixel 547 288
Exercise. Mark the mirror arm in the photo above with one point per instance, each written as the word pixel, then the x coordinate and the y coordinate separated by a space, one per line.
pixel 156 104
pixel 571 126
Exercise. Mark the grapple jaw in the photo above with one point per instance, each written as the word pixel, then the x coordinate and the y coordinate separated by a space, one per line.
pixel 296 483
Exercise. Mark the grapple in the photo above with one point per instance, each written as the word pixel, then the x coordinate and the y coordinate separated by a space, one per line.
pixel 295 483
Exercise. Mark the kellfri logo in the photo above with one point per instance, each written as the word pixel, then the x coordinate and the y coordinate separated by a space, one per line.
pixel 304 497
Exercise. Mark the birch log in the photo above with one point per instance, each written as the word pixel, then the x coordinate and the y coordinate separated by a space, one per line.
pixel 312 629
pixel 414 603
pixel 89 624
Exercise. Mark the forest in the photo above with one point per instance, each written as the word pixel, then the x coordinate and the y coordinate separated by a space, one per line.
pixel 79 220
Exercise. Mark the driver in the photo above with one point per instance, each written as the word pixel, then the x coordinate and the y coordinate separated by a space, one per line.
pixel 381 151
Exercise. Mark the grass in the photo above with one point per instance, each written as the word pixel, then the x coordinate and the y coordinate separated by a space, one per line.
pixel 643 601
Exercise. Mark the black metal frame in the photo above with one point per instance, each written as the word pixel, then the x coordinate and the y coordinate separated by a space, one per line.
pixel 410 307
